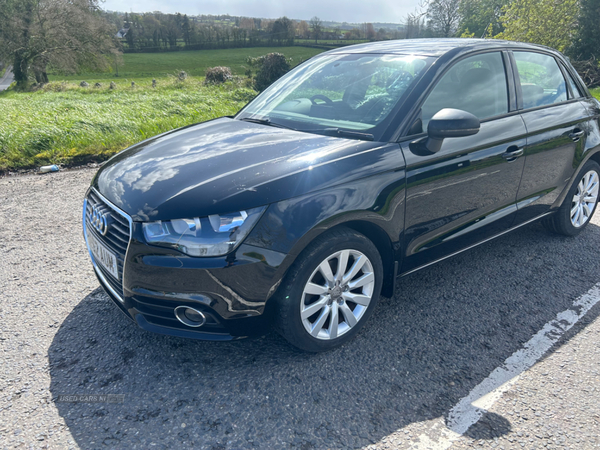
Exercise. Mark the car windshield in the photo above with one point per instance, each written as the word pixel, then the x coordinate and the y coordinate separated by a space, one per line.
pixel 350 95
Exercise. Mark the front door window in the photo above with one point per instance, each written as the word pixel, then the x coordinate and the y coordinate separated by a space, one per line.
pixel 476 84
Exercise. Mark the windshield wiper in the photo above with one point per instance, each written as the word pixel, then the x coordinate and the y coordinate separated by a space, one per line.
pixel 266 122
pixel 351 134
pixel 329 131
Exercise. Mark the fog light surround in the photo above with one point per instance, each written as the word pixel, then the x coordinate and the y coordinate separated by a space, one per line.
pixel 190 317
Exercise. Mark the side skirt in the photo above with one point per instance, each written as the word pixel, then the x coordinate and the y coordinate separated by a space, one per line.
pixel 475 245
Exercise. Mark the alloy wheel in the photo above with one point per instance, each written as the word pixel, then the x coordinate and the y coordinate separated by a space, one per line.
pixel 337 294
pixel 584 200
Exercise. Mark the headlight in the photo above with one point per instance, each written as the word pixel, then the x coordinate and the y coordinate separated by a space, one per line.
pixel 214 235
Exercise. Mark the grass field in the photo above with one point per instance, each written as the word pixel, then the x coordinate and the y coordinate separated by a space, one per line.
pixel 596 92
pixel 156 65
pixel 77 125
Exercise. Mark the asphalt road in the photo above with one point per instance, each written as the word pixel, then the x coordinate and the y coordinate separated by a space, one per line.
pixel 7 79
pixel 447 329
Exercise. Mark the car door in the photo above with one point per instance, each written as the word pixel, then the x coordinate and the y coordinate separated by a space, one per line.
pixel 556 122
pixel 466 192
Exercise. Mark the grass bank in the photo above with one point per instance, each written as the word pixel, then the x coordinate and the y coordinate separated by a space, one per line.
pixel 66 124
pixel 596 92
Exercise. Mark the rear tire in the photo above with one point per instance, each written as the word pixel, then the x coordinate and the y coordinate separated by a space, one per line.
pixel 330 292
pixel 579 205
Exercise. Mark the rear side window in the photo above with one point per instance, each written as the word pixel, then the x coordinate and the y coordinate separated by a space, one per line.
pixel 476 84
pixel 574 87
pixel 542 82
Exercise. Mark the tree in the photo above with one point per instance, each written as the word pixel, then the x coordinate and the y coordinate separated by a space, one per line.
pixel 586 44
pixel 477 15
pixel 545 22
pixel 415 21
pixel 186 28
pixel 130 37
pixel 282 30
pixel 354 34
pixel 413 24
pixel 302 29
pixel 369 31
pixel 443 17
pixel 317 27
pixel 172 35
pixel 246 23
pixel 65 34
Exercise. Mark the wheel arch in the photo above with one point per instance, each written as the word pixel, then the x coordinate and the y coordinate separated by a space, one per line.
pixel 373 206
pixel 595 157
pixel 376 234
pixel 589 155
pixel 386 250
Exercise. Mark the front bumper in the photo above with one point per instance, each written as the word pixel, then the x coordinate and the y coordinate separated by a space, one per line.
pixel 156 314
pixel 231 291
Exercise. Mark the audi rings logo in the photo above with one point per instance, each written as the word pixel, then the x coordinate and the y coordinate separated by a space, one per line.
pixel 100 221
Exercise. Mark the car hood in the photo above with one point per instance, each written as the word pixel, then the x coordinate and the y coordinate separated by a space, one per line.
pixel 228 165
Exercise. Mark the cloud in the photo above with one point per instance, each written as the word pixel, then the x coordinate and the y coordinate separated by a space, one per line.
pixel 353 11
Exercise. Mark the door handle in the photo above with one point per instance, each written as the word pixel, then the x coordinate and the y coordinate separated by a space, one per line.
pixel 576 134
pixel 512 153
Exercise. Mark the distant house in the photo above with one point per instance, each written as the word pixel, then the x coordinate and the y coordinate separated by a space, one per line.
pixel 122 33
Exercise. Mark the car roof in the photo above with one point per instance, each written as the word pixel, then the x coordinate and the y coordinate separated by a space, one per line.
pixel 433 47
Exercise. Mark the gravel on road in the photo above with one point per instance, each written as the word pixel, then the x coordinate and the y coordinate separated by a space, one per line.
pixel 447 328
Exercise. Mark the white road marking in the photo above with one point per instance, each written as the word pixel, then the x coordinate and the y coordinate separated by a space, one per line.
pixel 470 409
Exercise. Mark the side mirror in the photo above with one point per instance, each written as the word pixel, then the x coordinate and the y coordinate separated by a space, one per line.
pixel 446 123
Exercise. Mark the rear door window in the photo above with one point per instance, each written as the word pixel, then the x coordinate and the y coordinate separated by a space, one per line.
pixel 542 82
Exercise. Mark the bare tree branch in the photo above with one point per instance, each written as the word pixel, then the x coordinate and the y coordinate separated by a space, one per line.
pixel 66 35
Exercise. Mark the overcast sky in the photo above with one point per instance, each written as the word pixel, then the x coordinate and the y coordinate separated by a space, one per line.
pixel 337 10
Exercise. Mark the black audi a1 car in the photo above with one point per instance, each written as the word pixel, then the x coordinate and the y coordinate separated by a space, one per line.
pixel 361 164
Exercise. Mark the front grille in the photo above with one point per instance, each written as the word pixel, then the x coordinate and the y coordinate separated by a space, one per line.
pixel 116 239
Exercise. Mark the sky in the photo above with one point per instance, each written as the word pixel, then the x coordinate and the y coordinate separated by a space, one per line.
pixel 354 11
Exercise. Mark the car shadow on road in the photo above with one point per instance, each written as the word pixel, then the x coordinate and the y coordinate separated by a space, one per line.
pixel 446 329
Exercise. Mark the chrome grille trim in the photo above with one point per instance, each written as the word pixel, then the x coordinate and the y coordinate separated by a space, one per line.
pixel 118 241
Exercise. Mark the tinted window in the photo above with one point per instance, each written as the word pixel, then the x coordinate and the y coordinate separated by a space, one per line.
pixel 476 84
pixel 542 82
pixel 574 87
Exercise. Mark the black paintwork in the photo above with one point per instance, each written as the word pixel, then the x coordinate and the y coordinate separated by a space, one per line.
pixel 416 208
pixel 551 156
pixel 463 194
pixel 227 165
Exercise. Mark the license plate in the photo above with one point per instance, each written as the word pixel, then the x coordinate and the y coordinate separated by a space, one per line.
pixel 103 255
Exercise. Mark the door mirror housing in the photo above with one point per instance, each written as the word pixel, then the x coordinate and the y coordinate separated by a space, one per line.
pixel 446 123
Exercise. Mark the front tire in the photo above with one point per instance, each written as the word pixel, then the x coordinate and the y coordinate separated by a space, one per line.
pixel 330 292
pixel 580 203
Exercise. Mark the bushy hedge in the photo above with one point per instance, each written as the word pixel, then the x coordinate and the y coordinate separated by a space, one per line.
pixel 218 75
pixel 269 68
pixel 589 71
